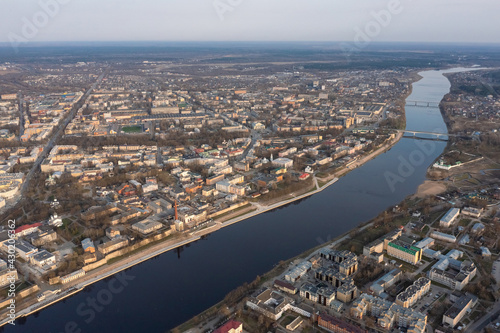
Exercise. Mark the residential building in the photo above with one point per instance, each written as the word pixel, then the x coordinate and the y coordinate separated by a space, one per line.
pixel 7 276
pixel 335 325
pixel 414 292
pixel 347 292
pixel 285 286
pixel 72 276
pixel 25 250
pixel 404 251
pixel 150 185
pixel 388 314
pixel 43 259
pixel 298 271
pixel 214 179
pixel 347 261
pixel 444 237
pixel 386 281
pixel 27 229
pixel 453 273
pixel 44 237
pixel 231 326
pixel 458 310
pixel 226 187
pixel 269 303
pixel 112 245
pixel 321 295
pixel 449 218
pixel 283 162
pixel 472 212
pixel 147 226
pixel 112 232
pixel 88 245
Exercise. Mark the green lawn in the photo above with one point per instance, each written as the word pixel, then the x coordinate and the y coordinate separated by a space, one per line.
pixel 66 222
pixel 132 129
pixel 464 222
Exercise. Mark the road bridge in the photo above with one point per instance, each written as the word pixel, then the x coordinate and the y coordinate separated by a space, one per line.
pixel 423 104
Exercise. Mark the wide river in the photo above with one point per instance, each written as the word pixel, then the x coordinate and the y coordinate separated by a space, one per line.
pixel 175 286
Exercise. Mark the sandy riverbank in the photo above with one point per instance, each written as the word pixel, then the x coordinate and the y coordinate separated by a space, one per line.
pixel 430 187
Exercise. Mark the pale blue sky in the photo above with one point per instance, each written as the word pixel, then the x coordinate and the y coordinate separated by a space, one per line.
pixel 258 20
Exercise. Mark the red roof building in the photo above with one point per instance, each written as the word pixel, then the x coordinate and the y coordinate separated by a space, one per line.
pixel 231 326
pixel 304 176
pixel 27 229
pixel 126 190
pixel 336 325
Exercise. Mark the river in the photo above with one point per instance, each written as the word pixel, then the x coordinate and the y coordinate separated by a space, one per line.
pixel 175 286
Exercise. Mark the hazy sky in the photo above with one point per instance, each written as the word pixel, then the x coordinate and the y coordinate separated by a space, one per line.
pixel 244 20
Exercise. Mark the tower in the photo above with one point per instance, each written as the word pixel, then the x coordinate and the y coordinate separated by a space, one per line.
pixel 176 215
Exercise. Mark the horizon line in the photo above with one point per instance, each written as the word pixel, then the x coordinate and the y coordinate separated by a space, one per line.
pixel 38 43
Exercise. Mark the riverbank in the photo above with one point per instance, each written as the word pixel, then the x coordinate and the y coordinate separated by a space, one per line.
pixel 171 244
pixel 427 188
pixel 362 231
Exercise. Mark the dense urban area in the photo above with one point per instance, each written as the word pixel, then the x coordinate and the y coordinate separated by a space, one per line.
pixel 104 164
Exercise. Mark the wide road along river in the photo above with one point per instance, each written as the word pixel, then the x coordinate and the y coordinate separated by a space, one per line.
pixel 175 286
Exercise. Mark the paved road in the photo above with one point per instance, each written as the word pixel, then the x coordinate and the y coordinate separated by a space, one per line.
pixel 21 116
pixel 482 322
pixel 56 136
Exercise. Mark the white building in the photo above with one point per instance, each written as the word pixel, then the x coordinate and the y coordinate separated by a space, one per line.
pixel 449 218
pixel 25 250
pixel 443 236
pixel 147 226
pixel 283 162
pixel 297 272
pixel 55 220
pixel 43 259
